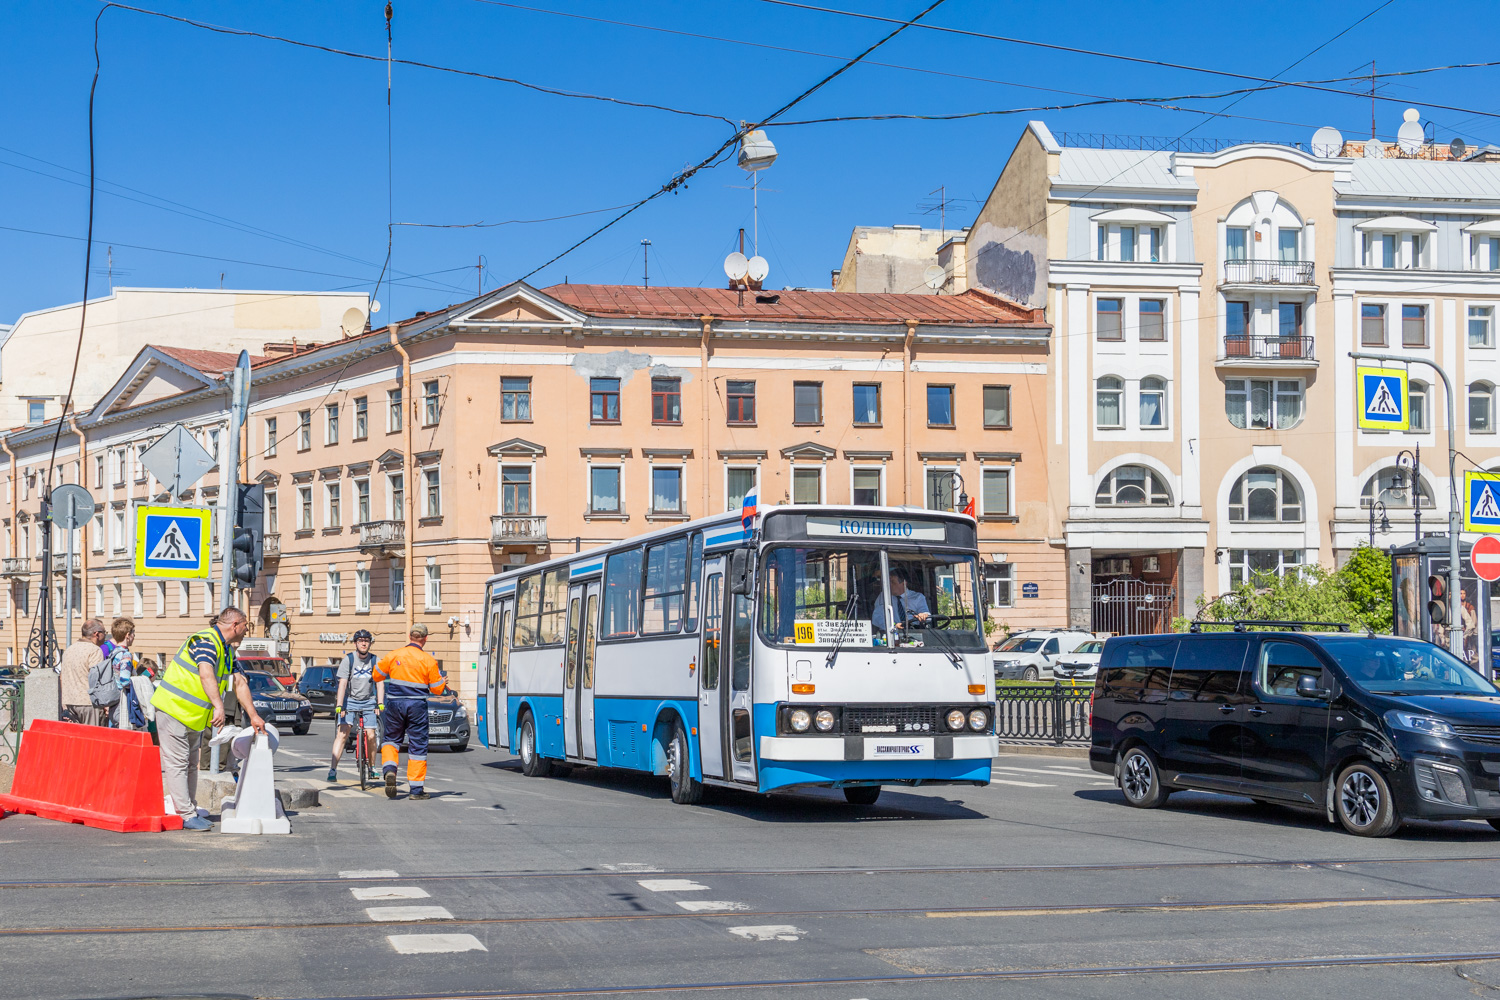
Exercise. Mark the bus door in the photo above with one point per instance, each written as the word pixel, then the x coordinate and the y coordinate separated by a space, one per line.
pixel 586 748
pixel 571 665
pixel 737 694
pixel 498 706
pixel 710 679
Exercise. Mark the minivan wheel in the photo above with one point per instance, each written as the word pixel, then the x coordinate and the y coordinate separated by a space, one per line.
pixel 1362 799
pixel 1494 823
pixel 1030 674
pixel 1140 780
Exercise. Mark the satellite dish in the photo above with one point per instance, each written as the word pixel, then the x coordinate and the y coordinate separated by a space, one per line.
pixel 1327 141
pixel 934 276
pixel 736 266
pixel 1457 149
pixel 1374 150
pixel 374 305
pixel 353 323
pixel 758 268
pixel 1409 137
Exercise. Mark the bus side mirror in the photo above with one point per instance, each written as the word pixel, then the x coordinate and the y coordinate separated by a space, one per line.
pixel 741 572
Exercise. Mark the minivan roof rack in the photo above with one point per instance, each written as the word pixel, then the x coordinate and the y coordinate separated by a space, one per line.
pixel 1245 625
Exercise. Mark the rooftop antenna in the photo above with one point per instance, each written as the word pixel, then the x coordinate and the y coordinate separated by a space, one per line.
pixel 1372 98
pixel 479 267
pixel 646 265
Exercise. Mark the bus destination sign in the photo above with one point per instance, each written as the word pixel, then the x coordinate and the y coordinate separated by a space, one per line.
pixel 840 632
pixel 896 529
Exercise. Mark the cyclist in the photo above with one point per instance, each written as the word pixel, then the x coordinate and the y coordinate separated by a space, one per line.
pixel 366 698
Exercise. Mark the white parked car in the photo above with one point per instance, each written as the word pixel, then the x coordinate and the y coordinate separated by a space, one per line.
pixel 1081 664
pixel 1032 654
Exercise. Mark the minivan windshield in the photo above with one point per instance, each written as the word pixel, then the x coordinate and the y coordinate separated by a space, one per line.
pixel 1021 644
pixel 1405 667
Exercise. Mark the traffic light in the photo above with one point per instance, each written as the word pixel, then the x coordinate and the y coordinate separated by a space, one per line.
pixel 1437 600
pixel 249 529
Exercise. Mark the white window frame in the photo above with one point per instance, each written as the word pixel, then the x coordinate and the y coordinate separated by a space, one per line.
pixel 394 411
pixel 432 476
pixel 305 591
pixel 943 467
pixel 682 488
pixel 991 580
pixel 361 410
pixel 161 598
pixel 210 606
pixel 273 513
pixel 1121 391
pixel 1488 388
pixel 432 402
pixel 619 469
pixel 1282 563
pixel 270 432
pixel 333 505
pixel 1488 317
pixel 1009 468
pixel 304 430
pixel 396 512
pixel 361 589
pixel 1165 391
pixel 396 584
pixel 335 581
pixel 362 496
pixel 879 470
pixel 531 474
pixel 753 468
pixel 330 424
pixel 118 593
pixel 432 586
pixel 184 602
pixel 138 600
pixel 305 513
pixel 822 470
pixel 98 600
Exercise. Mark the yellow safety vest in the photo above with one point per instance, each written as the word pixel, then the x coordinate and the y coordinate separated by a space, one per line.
pixel 180 691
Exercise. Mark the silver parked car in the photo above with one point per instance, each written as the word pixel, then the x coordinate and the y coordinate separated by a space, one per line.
pixel 1081 664
pixel 1031 655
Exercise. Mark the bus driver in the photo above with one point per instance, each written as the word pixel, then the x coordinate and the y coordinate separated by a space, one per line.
pixel 905 602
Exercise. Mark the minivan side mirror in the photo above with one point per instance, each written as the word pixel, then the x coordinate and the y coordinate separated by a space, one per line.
pixel 1309 686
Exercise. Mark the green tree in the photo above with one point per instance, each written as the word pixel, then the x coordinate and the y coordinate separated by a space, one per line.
pixel 1366 579
pixel 1359 594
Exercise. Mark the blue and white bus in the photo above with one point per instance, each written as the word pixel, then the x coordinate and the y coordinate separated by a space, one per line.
pixel 761 654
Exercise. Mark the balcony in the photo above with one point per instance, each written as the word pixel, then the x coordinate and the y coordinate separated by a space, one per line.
pixel 60 563
pixel 1273 351
pixel 382 536
pixel 1297 273
pixel 270 546
pixel 15 566
pixel 517 529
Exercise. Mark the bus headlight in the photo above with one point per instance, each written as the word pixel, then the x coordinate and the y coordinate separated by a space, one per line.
pixel 823 720
pixel 978 720
pixel 800 720
pixel 956 719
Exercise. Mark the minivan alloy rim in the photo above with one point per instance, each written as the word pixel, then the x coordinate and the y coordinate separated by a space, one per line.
pixel 1137 777
pixel 1360 798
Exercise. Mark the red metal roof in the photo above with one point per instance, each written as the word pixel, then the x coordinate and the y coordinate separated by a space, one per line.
pixel 208 362
pixel 967 309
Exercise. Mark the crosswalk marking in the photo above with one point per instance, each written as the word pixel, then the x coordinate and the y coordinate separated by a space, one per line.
pixel 368 873
pixel 769 932
pixel 671 885
pixel 401 914
pixel 434 944
pixel 1020 784
pixel 364 893
pixel 1031 770
pixel 710 905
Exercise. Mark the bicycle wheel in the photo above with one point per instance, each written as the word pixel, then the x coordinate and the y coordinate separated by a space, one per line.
pixel 361 756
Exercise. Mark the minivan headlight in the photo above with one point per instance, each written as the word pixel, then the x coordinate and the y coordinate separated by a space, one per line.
pixel 978 719
pixel 1412 722
pixel 823 720
pixel 956 719
pixel 800 720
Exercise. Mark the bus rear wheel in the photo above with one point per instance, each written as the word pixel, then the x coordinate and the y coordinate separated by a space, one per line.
pixel 533 764
pixel 861 795
pixel 686 790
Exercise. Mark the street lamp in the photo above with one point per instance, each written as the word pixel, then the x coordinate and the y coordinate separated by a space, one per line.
pixel 1385 522
pixel 937 492
pixel 1411 460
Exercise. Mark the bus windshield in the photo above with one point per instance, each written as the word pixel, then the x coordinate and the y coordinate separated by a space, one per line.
pixel 887 598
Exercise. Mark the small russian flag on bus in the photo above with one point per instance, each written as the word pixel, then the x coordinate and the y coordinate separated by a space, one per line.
pixel 747 512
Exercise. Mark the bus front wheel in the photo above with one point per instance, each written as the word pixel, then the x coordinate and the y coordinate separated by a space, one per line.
pixel 533 764
pixel 861 795
pixel 685 789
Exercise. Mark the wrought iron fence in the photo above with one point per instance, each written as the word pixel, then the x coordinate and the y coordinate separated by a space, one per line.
pixel 1268 347
pixel 12 717
pixel 1055 713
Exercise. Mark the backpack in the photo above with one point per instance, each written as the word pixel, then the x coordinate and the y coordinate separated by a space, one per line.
pixel 103 690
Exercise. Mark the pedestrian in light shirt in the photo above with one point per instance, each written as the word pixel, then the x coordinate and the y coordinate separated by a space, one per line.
pixel 77 661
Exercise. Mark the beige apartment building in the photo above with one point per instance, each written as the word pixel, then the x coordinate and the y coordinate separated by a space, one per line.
pixel 404 466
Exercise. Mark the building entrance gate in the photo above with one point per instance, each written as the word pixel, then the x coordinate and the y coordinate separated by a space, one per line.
pixel 1134 607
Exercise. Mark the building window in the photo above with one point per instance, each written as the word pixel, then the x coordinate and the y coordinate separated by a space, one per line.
pixel 98 532
pixel 1289 321
pixel 434 586
pixel 1261 404
pixel 807 485
pixel 995 497
pixel 740 396
pixel 1153 323
pixel 1416 405
pixel 866 487
pixel 997 407
pixel 940 406
pixel 604 489
pixel 1372 324
pixel 1394 489
pixel 1000 584
pixel 1153 244
pixel 398 586
pixel 604 400
pixel 36 411
pixel 666 490
pixel 272 513
pixel 1236 243
pixel 739 482
pixel 137 600
pixel 666 400
pixel 1481 326
pixel 867 404
pixel 331 424
pixel 210 606
pixel 515 489
pixel 99 470
pixel 304 508
pixel 361 591
pixel 361 418
pixel 182 598
pixel 1481 408
pixel 117 540
pixel 1382 250
pixel 1108 395
pixel 515 398
pixel 305 592
pixel 335 591
pixel 1132 486
pixel 361 501
pixel 807 402
pixel 161 598
pixel 1153 402
pixel 335 506
pixel 1413 326
pixel 432 493
pixel 431 408
pixel 397 483
pixel 1257 565
pixel 1288 245
pixel 1484 253
pixel 117 592
pixel 939 494
pixel 1107 325
pixel 304 430
pixel 270 451
pixel 1265 494
pixel 1127 243
pixel 393 411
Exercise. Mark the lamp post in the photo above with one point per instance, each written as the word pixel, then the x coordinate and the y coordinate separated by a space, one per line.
pixel 1413 460
pixel 937 493
pixel 1385 522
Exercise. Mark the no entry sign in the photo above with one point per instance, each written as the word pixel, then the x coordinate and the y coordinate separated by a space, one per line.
pixel 1485 558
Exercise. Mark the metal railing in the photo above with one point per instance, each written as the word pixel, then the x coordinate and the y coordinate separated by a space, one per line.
pixel 507 528
pixel 1157 143
pixel 1055 713
pixel 1268 272
pixel 1273 347
pixel 382 534
pixel 15 566
pixel 12 717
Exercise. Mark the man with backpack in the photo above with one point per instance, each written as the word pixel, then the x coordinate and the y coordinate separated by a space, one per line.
pixel 366 698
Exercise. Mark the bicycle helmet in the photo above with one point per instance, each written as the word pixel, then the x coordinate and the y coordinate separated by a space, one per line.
pixel 363 633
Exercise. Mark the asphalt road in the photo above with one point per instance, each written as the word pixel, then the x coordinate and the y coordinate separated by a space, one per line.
pixel 1042 885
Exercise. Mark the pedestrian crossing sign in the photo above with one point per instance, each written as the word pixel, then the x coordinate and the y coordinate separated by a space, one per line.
pixel 1482 501
pixel 173 542
pixel 1382 399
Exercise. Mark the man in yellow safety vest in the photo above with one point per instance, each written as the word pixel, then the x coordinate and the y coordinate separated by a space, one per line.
pixel 189 699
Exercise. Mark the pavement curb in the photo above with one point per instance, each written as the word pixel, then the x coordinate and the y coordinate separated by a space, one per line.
pixel 1043 750
pixel 295 793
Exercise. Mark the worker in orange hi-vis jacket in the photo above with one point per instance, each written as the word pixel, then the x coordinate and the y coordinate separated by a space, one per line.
pixel 410 675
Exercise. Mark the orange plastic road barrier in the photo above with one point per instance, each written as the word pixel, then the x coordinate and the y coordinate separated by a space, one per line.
pixel 106 778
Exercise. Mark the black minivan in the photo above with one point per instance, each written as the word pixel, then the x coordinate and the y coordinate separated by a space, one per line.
pixel 1369 729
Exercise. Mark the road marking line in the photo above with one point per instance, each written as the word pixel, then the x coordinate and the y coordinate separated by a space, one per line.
pixel 631 868
pixel 368 873
pixel 1028 770
pixel 388 914
pixel 1020 784
pixel 434 944
pixel 671 885
pixel 388 892
pixel 769 932
pixel 341 793
pixel 710 905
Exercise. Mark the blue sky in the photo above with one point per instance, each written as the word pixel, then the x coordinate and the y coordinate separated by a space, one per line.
pixel 237 153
